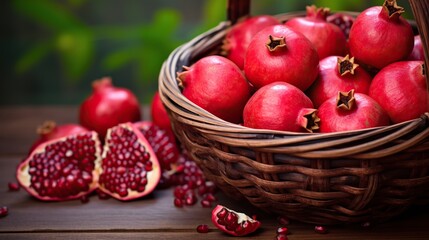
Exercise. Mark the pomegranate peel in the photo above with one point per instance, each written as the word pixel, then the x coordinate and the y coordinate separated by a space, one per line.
pixel 61 169
pixel 128 166
pixel 232 222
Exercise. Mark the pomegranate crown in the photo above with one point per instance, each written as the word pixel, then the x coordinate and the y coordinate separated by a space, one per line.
pixel 275 43
pixel 102 83
pixel 347 65
pixel 346 100
pixel 391 8
pixel 319 13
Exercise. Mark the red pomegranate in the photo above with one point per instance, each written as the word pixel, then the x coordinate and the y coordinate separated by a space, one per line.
pixel 401 89
pixel 159 114
pixel 327 38
pixel 418 53
pixel 338 74
pixel 108 106
pixel 239 36
pixel 351 111
pixel 217 85
pixel 380 36
pixel 280 106
pixel 62 168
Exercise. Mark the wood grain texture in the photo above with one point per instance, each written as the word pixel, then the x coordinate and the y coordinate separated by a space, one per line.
pixel 153 217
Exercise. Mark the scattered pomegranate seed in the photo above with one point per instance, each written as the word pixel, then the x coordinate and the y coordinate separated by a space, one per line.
pixel 13 186
pixel 282 230
pixel 102 195
pixel 206 203
pixel 203 228
pixel 281 237
pixel 320 229
pixel 283 221
pixel 366 224
pixel 4 211
pixel 178 202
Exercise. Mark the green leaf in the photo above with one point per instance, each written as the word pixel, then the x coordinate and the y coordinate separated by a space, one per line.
pixel 76 51
pixel 47 13
pixel 32 57
pixel 119 58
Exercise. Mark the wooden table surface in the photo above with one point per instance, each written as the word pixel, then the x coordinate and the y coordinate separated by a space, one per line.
pixel 153 217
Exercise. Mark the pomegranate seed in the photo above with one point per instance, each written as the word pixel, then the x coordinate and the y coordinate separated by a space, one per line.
pixel 254 216
pixel 283 221
pixel 320 229
pixel 102 195
pixel 366 224
pixel 203 228
pixel 210 197
pixel 4 211
pixel 179 192
pixel 178 202
pixel 13 186
pixel 206 203
pixel 282 230
pixel 281 237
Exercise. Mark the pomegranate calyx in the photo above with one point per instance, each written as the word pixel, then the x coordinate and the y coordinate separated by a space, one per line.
pixel 347 65
pixel 391 8
pixel 275 43
pixel 317 13
pixel 99 84
pixel 46 127
pixel 309 120
pixel 346 100
pixel 181 77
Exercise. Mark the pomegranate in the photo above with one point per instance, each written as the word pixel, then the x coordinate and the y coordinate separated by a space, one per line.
pixel 61 169
pixel 129 168
pixel 4 211
pixel 400 88
pixel 232 222
pixel 280 106
pixel 49 130
pixel 418 52
pixel 338 74
pixel 273 56
pixel 217 85
pixel 164 147
pixel 159 114
pixel 343 20
pixel 351 111
pixel 108 106
pixel 239 36
pixel 327 38
pixel 380 36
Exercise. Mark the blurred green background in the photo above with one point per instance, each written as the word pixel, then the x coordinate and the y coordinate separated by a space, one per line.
pixel 51 50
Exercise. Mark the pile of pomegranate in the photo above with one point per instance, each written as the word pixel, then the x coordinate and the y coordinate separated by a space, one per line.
pixel 320 72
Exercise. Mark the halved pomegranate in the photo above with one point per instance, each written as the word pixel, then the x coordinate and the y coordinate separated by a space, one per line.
pixel 232 222
pixel 129 168
pixel 61 169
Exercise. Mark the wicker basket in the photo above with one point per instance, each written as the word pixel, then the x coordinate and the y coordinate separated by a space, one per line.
pixel 346 177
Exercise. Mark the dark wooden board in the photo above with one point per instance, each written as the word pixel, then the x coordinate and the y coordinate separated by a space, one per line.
pixel 153 217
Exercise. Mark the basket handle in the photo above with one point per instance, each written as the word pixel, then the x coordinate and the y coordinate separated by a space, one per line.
pixel 420 10
pixel 237 9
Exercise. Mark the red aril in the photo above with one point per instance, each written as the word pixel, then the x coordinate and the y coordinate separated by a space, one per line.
pixel 108 106
pixel 62 169
pixel 13 186
pixel 159 114
pixel 203 228
pixel 418 53
pixel 280 106
pixel 49 130
pixel 343 20
pixel 232 222
pixel 327 38
pixel 217 85
pixel 129 168
pixel 338 74
pixel 278 53
pixel 380 36
pixel 351 111
pixel 401 89
pixel 239 36
pixel 4 211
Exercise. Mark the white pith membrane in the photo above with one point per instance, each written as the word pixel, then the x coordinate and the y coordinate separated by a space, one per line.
pixel 23 173
pixel 123 132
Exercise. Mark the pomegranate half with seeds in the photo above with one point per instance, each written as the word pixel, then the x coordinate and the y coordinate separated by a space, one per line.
pixel 129 168
pixel 61 169
pixel 232 222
